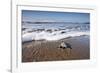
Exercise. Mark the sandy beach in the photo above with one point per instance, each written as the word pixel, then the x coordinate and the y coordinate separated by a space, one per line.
pixel 37 51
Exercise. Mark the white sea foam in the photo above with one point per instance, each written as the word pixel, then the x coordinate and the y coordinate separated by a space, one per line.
pixel 51 36
pixel 52 32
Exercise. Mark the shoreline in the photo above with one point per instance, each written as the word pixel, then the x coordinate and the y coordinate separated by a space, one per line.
pixel 37 51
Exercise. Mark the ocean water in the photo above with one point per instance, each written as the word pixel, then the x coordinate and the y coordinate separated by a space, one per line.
pixel 53 31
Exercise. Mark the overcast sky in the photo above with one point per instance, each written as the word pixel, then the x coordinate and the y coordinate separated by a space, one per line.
pixel 30 15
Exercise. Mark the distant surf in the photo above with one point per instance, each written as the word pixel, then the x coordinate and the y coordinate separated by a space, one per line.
pixel 52 32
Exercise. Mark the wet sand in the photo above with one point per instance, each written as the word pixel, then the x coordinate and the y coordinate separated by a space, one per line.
pixel 37 51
